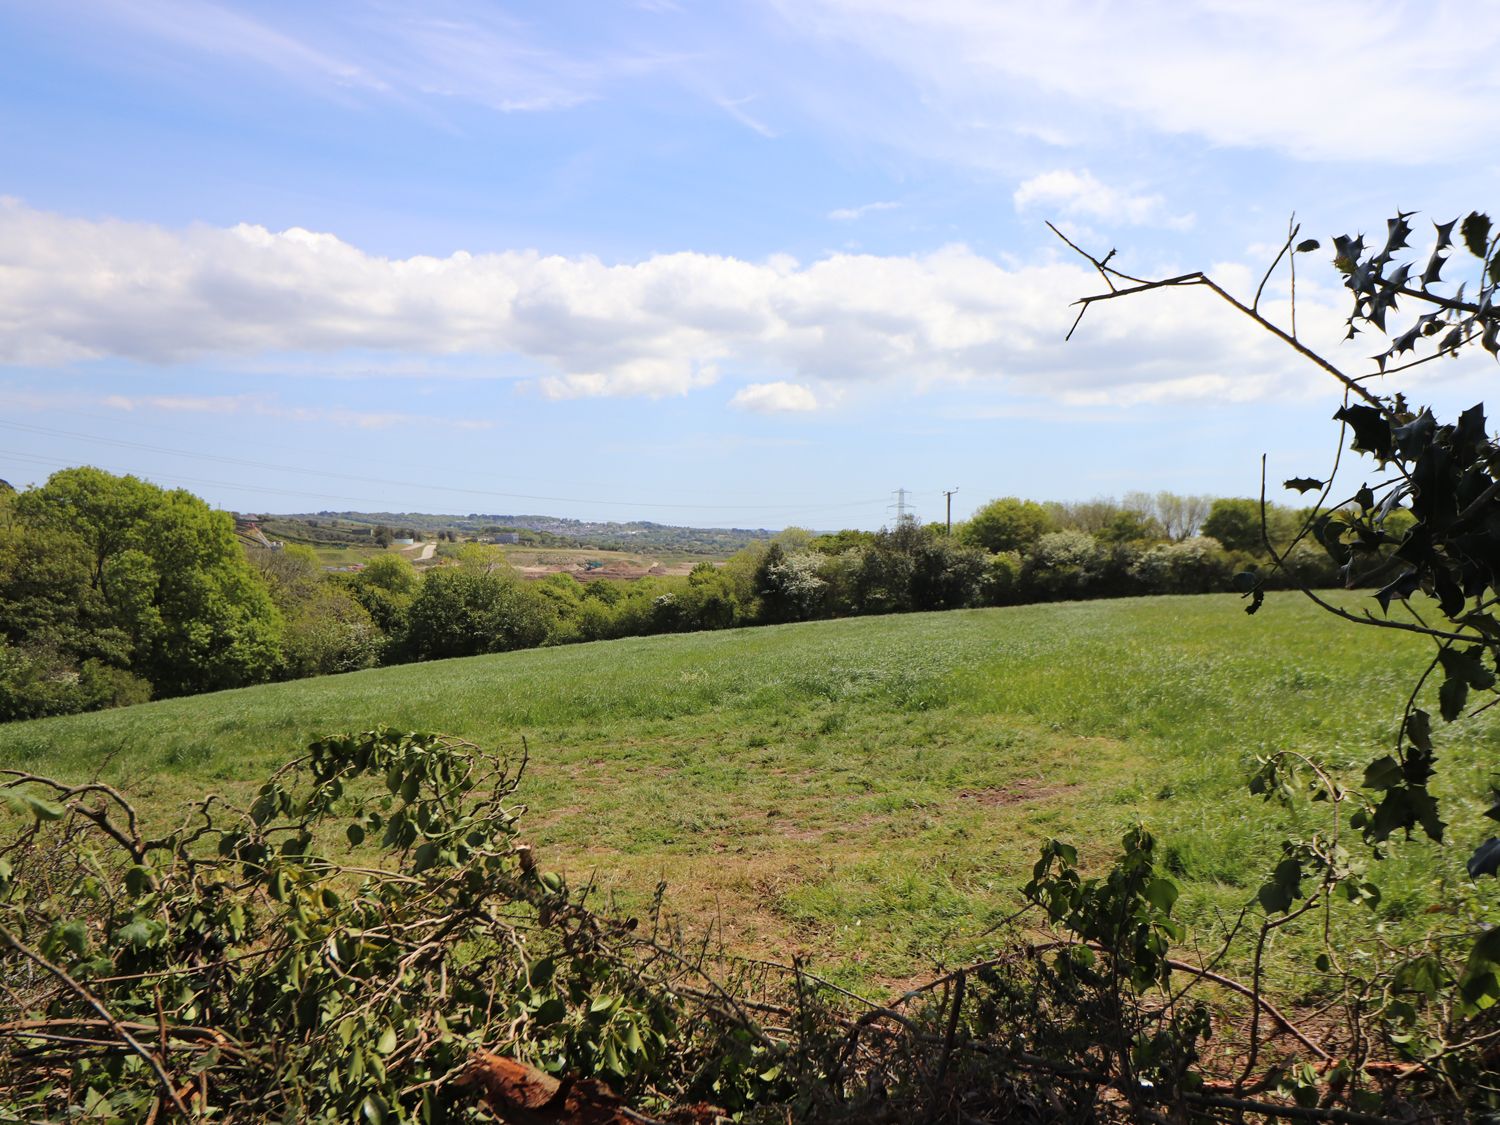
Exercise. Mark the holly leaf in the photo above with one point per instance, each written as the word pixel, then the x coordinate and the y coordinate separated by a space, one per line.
pixel 1451 698
pixel 1476 233
pixel 1416 435
pixel 1486 859
pixel 1401 588
pixel 1434 271
pixel 1372 433
pixel 1419 731
pixel 1467 664
pixel 1470 429
pixel 1383 773
pixel 1303 484
pixel 75 935
pixel 1423 975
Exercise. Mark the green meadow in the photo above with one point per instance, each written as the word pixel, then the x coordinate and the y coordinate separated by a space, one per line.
pixel 869 793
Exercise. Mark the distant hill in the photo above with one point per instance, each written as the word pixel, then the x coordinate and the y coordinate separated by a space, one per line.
pixel 355 528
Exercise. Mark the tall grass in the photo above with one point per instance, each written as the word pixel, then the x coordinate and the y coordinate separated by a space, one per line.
pixel 868 792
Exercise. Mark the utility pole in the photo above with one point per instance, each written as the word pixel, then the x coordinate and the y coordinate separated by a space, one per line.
pixel 948 496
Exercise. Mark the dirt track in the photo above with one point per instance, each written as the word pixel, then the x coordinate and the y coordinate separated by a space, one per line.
pixel 616 570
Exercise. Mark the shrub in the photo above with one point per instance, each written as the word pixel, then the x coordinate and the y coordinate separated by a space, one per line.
pixel 329 632
pixel 1000 583
pixel 462 611
pixel 789 586
pixel 1063 564
pixel 38 681
pixel 1193 566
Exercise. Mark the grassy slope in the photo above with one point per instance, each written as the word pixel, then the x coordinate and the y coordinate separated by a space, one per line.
pixel 867 792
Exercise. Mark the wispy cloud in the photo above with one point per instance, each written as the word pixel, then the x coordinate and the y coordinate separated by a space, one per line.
pixel 262 407
pixel 1082 194
pixel 241 405
pixel 446 49
pixel 220 31
pixel 735 107
pixel 1266 75
pixel 850 214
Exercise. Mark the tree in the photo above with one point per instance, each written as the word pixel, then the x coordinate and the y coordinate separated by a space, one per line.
pixel 1131 526
pixel 1447 476
pixel 1089 516
pixel 1244 525
pixel 1180 516
pixel 170 574
pixel 1007 524
pixel 794 540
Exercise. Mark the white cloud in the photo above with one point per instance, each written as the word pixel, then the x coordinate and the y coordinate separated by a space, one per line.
pixel 1080 193
pixel 775 398
pixel 74 290
pixel 1401 82
pixel 849 214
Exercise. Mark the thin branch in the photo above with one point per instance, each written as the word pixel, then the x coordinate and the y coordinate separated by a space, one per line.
pixel 1285 246
pixel 1097 263
pixel 1265 1005
pixel 93 1002
pixel 1198 277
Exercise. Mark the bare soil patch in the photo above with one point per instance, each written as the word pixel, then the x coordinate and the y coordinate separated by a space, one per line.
pixel 1027 789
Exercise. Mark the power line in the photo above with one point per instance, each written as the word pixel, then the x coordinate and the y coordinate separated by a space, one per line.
pixel 260 443
pixel 48 431
pixel 52 463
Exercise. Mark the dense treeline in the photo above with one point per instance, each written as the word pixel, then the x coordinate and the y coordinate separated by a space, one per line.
pixel 114 591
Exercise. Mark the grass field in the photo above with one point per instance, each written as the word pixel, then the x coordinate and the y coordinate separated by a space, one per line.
pixel 868 793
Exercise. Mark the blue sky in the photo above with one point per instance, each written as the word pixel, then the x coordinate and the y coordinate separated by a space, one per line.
pixel 738 263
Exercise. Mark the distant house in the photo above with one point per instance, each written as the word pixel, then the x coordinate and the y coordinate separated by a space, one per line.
pixel 507 537
pixel 404 541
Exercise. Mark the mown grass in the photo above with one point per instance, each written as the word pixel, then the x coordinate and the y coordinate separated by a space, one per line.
pixel 867 793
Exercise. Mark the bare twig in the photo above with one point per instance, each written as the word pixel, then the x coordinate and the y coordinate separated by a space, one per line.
pixel 95 1003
